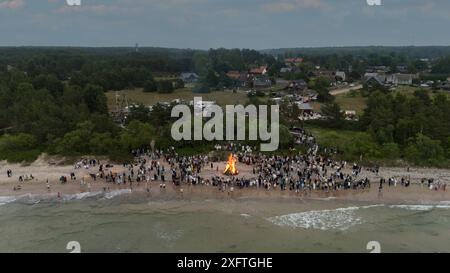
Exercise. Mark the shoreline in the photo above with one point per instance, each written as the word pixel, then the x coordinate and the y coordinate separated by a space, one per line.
pixel 415 194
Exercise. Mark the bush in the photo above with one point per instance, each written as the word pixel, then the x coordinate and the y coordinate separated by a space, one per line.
pixel 390 151
pixel 19 148
pixel 165 86
pixel 150 86
pixel 201 89
pixel 422 150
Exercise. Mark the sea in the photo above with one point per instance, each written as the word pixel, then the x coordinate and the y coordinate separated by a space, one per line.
pixel 121 222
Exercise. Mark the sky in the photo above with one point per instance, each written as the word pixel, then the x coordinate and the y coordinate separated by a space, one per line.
pixel 203 24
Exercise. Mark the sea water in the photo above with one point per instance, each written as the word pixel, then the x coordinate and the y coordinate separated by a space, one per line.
pixel 121 222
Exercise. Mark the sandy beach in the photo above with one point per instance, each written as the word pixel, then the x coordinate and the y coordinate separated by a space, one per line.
pixel 42 170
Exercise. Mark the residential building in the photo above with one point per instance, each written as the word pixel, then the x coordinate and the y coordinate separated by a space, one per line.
pixel 285 70
pixel 189 77
pixel 261 81
pixel 341 76
pixel 297 85
pixel 262 70
pixel 293 61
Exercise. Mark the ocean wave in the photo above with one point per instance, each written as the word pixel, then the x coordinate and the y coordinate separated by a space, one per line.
pixel 112 194
pixel 26 198
pixel 80 196
pixel 372 206
pixel 7 199
pixel 337 219
pixel 324 198
pixel 420 207
pixel 32 199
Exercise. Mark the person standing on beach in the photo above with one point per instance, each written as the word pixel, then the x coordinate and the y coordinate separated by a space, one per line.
pixel 162 174
pixel 48 186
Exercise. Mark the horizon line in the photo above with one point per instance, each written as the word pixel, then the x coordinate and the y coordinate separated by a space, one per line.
pixel 215 48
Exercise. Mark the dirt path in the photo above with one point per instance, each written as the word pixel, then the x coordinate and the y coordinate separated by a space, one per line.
pixel 338 92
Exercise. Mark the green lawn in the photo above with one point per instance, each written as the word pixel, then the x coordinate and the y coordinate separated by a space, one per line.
pixel 353 101
pixel 357 102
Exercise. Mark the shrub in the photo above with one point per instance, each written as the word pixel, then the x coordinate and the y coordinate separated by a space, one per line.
pixel 19 148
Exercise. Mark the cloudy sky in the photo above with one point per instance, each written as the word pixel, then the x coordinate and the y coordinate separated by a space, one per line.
pixel 203 24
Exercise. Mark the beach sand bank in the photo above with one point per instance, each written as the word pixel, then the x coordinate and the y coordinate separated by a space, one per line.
pixel 42 170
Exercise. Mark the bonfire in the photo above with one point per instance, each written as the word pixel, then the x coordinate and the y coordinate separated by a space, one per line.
pixel 231 169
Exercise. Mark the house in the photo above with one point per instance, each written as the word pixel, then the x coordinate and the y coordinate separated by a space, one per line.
pixel 330 75
pixel 298 85
pixel 293 61
pixel 402 68
pixel 444 86
pixel 375 81
pixel 241 79
pixel 262 70
pixel 403 79
pixel 372 80
pixel 305 108
pixel 234 75
pixel 285 70
pixel 244 79
pixel 189 77
pixel 262 82
pixel 340 76
pixel 378 69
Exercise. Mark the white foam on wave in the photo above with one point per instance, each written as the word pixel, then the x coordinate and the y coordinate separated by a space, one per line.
pixel 80 196
pixel 413 207
pixel 28 198
pixel 35 199
pixel 372 206
pixel 420 207
pixel 245 215
pixel 112 194
pixel 7 199
pixel 337 219
pixel 324 199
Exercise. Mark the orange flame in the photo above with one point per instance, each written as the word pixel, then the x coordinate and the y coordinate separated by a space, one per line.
pixel 231 169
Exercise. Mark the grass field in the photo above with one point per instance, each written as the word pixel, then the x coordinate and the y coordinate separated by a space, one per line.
pixel 140 97
pixel 352 101
pixel 349 101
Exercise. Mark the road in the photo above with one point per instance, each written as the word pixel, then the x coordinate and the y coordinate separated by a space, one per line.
pixel 345 90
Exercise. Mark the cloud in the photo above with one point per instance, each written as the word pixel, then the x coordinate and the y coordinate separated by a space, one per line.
pixel 12 4
pixel 97 9
pixel 292 5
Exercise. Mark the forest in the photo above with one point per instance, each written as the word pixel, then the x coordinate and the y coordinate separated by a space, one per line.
pixel 53 100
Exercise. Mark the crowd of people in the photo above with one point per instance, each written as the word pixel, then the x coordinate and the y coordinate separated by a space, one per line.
pixel 312 170
pixel 300 173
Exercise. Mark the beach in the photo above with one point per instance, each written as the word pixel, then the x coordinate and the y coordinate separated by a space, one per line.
pixel 201 218
pixel 42 170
